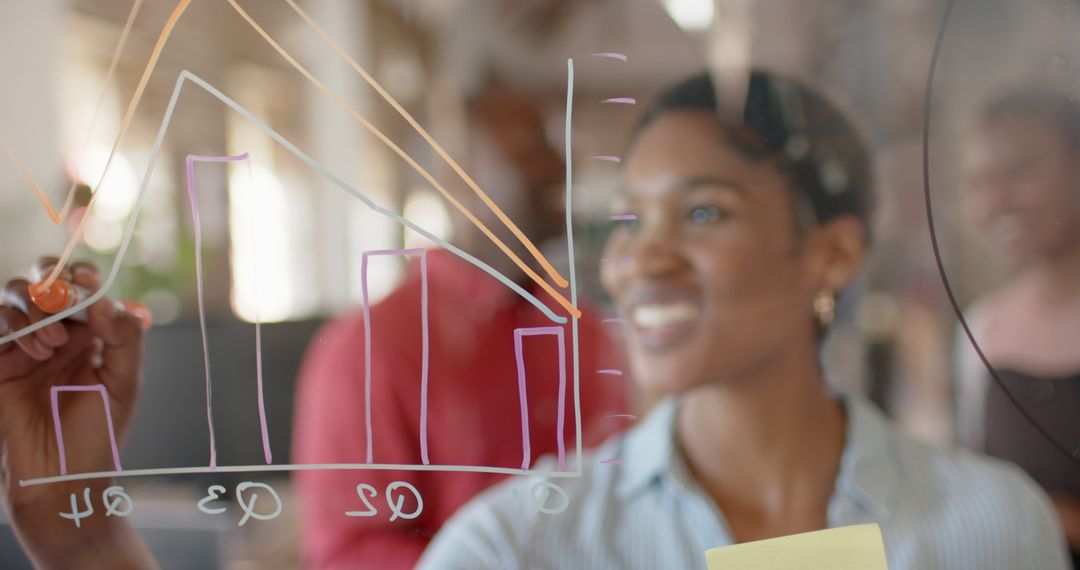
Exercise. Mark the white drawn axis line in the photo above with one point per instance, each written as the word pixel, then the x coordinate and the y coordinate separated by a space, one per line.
pixel 294 467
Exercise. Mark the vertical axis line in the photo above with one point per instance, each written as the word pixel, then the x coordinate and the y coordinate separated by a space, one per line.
pixel 572 269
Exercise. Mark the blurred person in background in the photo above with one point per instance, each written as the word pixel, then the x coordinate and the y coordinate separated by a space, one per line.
pixel 473 411
pixel 1024 166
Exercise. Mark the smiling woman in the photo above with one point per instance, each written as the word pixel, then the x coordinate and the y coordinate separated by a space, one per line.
pixel 735 236
pixel 722 234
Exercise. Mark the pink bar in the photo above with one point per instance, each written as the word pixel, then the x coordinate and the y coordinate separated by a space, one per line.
pixel 523 398
pixel 607 158
pixel 59 432
pixel 612 55
pixel 193 199
pixel 621 101
pixel 424 347
pixel 609 372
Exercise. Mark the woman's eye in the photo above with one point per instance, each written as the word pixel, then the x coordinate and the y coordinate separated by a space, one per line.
pixel 706 214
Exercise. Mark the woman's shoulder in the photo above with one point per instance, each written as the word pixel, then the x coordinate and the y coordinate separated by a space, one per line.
pixel 951 507
pixel 971 500
pixel 953 473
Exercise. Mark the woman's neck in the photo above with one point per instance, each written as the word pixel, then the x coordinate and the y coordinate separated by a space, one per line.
pixel 767 449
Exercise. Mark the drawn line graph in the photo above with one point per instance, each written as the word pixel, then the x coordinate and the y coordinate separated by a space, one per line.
pixel 129 114
pixel 163 37
pixel 186 76
pixel 414 165
pixel 559 280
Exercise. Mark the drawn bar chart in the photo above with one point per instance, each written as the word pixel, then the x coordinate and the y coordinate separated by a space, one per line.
pixel 60 434
pixel 423 347
pixel 556 331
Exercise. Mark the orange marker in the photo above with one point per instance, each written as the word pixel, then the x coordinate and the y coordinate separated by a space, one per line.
pixel 64 295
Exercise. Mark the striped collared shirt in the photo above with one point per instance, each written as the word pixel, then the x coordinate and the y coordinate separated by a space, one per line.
pixel 937 508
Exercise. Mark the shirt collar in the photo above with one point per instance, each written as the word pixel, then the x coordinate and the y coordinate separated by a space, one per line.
pixel 648 449
pixel 867 469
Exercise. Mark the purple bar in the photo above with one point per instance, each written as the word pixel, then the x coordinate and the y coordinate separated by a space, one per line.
pixel 59 433
pixel 193 199
pixel 621 101
pixel 424 346
pixel 523 399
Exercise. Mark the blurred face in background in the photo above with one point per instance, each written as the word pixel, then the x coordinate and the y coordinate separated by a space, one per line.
pixel 514 162
pixel 1024 188
pixel 712 278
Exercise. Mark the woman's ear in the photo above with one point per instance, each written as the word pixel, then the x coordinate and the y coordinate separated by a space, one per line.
pixel 841 247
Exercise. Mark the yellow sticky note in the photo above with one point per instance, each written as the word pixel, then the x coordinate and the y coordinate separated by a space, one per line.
pixel 857 547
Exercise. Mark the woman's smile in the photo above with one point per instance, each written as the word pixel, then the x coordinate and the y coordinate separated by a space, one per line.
pixel 663 316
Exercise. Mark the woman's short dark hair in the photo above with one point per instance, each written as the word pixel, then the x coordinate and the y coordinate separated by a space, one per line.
pixel 818 145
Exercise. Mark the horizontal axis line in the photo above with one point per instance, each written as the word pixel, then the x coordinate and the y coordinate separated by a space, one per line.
pixel 292 467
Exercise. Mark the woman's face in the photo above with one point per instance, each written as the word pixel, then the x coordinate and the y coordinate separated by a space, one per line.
pixel 1024 188
pixel 711 279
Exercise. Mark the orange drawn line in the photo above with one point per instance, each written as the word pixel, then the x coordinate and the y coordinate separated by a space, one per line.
pixel 159 45
pixel 59 217
pixel 551 271
pixel 408 159
pixel 56 219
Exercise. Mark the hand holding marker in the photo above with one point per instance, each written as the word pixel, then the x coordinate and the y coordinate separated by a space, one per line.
pixel 64 294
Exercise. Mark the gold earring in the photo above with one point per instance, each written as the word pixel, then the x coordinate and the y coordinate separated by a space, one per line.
pixel 824 307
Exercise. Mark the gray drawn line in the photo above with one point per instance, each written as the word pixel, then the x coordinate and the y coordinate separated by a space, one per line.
pixel 121 252
pixel 294 467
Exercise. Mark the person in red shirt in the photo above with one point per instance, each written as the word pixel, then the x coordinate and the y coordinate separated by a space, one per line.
pixel 473 403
